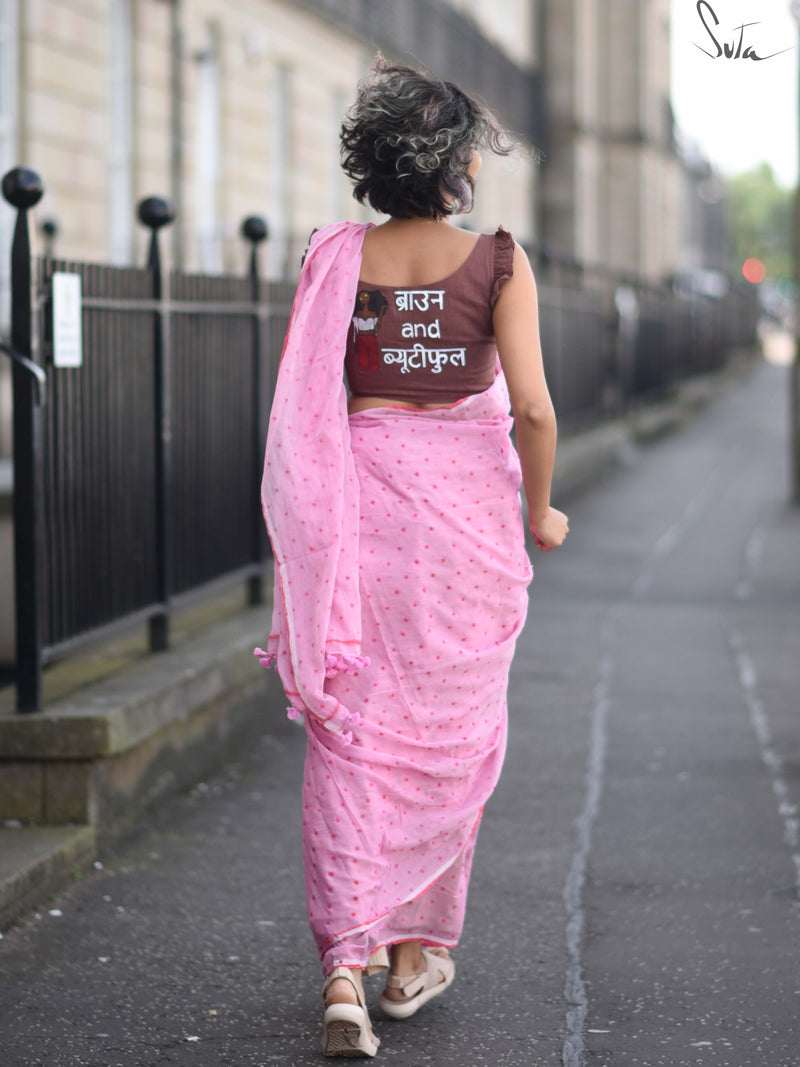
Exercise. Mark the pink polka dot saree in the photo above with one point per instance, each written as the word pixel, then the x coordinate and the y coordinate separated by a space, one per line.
pixel 400 589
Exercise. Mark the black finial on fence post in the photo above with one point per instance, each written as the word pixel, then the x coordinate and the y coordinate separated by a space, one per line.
pixel 155 212
pixel 255 230
pixel 23 189
pixel 50 231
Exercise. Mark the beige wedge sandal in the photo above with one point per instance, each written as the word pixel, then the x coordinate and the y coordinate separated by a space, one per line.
pixel 346 1029
pixel 418 989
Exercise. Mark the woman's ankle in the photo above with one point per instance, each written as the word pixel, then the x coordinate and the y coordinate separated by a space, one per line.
pixel 341 991
pixel 406 958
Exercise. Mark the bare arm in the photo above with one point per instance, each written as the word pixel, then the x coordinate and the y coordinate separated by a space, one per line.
pixel 516 328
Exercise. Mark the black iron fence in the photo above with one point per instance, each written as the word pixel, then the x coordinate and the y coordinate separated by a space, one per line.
pixel 611 341
pixel 137 472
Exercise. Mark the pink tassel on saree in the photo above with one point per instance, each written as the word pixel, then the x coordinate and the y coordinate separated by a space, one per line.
pixel 401 587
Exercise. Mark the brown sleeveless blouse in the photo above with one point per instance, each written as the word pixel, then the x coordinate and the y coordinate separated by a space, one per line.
pixel 432 343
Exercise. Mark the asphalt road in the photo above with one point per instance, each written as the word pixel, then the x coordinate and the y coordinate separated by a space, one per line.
pixel 635 890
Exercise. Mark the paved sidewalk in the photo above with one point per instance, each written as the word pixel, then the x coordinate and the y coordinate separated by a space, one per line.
pixel 654 697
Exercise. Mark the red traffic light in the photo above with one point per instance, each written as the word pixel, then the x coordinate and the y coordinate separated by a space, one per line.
pixel 754 270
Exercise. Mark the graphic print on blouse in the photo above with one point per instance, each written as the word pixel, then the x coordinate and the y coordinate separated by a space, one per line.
pixel 419 356
pixel 370 308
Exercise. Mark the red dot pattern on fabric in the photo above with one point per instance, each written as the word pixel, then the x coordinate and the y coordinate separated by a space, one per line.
pixel 309 489
pixel 443 584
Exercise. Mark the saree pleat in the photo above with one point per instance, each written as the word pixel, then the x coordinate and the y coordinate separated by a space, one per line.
pixel 391 820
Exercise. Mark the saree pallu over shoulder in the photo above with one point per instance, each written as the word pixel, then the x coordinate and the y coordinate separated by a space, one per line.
pixel 390 822
pixel 309 490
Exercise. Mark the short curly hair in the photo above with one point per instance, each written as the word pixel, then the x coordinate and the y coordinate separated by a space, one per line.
pixel 408 140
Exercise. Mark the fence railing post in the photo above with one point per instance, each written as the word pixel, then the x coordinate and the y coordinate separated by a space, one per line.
pixel 255 230
pixel 155 212
pixel 23 188
pixel 50 231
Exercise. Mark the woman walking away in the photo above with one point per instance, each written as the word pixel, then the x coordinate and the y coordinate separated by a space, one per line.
pixel 400 566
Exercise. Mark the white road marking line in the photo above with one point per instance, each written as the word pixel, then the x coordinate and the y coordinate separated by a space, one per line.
pixel 668 541
pixel 753 553
pixel 574 985
pixel 787 811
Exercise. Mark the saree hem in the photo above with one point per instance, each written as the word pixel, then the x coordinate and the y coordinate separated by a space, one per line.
pixel 414 895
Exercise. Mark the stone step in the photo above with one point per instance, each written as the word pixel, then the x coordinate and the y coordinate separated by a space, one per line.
pixel 37 860
pixel 81 773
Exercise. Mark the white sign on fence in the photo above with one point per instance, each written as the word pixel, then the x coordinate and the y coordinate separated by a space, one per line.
pixel 67 332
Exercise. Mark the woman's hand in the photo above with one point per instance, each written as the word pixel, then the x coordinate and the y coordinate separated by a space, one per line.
pixel 550 529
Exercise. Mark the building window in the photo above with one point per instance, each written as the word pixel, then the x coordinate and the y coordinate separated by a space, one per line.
pixel 207 161
pixel 279 166
pixel 120 139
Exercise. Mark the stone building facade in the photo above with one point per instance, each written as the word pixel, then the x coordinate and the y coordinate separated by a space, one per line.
pixel 611 187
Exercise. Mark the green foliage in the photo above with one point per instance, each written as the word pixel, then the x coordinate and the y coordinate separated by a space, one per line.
pixel 761 221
